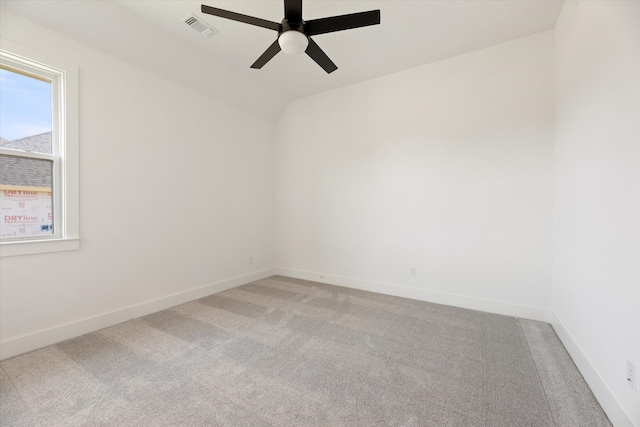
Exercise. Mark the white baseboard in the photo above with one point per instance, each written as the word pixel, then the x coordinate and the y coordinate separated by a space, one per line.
pixel 607 400
pixel 490 306
pixel 15 346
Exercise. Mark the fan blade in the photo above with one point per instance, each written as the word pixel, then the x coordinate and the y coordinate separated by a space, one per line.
pixel 293 10
pixel 321 58
pixel 267 55
pixel 240 17
pixel 342 22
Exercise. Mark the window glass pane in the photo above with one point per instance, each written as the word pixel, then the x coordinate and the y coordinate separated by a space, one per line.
pixel 26 203
pixel 25 112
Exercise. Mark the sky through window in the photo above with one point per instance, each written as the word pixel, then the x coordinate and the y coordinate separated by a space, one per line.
pixel 25 106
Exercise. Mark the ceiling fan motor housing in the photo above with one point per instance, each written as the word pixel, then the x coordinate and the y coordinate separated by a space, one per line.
pixel 286 25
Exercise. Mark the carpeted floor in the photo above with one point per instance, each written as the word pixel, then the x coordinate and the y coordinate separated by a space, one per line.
pixel 283 351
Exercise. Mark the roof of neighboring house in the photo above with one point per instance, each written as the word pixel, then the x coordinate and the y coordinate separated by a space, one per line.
pixel 27 172
pixel 40 143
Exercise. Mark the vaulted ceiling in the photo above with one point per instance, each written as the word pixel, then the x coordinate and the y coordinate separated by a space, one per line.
pixel 152 35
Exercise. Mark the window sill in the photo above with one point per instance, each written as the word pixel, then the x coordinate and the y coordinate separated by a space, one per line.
pixel 32 247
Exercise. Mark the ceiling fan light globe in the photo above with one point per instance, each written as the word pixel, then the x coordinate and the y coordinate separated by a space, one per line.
pixel 293 42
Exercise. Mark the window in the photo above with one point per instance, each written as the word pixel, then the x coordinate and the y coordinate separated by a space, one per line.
pixel 29 154
pixel 38 153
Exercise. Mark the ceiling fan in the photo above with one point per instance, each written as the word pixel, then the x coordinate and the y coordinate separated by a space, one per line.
pixel 294 34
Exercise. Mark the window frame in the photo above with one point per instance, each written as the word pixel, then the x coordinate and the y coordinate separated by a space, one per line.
pixel 64 134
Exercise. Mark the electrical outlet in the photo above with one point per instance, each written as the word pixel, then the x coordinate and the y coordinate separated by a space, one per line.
pixel 251 259
pixel 631 375
pixel 413 271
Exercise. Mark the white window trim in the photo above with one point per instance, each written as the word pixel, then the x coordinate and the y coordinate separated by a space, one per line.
pixel 69 160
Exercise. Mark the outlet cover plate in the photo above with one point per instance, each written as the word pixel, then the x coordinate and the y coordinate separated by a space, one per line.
pixel 631 375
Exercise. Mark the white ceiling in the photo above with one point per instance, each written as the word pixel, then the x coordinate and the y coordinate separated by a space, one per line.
pixel 151 34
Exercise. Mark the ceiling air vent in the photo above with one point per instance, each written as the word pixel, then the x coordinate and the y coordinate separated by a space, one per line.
pixel 198 25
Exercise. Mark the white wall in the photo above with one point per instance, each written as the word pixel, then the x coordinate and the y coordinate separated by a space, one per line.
pixel 446 167
pixel 596 274
pixel 176 193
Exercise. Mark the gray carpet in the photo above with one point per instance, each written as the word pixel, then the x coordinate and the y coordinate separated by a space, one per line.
pixel 283 351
